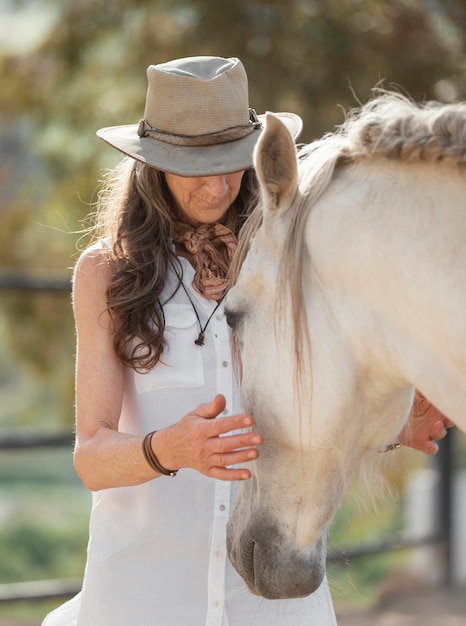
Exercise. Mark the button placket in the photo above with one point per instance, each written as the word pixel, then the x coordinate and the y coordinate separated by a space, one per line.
pixel 217 557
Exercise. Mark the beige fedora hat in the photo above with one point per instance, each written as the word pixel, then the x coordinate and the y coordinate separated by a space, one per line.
pixel 197 120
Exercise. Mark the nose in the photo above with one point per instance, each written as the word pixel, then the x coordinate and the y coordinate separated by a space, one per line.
pixel 218 185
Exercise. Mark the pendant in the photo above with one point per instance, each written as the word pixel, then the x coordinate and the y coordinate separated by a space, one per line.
pixel 200 340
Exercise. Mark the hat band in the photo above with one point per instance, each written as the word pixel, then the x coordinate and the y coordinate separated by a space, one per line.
pixel 207 139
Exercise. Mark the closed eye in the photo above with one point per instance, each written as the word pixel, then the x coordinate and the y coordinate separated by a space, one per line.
pixel 233 318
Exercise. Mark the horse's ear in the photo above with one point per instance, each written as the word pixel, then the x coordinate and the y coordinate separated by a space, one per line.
pixel 276 164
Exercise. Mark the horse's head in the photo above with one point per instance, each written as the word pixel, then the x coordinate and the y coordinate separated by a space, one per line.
pixel 300 383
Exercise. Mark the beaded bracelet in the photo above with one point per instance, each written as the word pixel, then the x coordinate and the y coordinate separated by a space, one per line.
pixel 151 457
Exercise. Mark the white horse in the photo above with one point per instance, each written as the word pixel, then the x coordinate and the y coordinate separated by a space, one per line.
pixel 352 294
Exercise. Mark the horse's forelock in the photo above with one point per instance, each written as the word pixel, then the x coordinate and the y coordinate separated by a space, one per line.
pixel 244 242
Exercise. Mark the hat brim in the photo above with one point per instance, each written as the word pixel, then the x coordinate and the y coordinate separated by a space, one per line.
pixel 190 161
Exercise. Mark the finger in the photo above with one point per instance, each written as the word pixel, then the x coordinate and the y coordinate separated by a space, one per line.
pixel 431 447
pixel 227 424
pixel 438 430
pixel 229 473
pixel 213 408
pixel 234 458
pixel 221 445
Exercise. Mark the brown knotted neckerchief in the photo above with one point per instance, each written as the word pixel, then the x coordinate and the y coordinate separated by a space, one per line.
pixel 210 249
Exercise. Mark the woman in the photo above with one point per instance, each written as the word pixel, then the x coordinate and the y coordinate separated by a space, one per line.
pixel 152 345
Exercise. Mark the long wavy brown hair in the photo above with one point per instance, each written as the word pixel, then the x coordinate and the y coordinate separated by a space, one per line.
pixel 135 214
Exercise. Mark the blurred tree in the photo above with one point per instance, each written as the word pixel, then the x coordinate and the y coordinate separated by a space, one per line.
pixel 314 57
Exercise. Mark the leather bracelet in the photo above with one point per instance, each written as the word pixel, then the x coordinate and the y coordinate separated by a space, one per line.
pixel 152 459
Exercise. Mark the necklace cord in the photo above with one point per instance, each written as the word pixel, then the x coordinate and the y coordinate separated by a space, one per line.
pixel 200 340
pixel 201 337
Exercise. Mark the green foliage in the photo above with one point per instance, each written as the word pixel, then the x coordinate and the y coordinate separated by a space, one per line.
pixel 357 583
pixel 44 513
pixel 33 552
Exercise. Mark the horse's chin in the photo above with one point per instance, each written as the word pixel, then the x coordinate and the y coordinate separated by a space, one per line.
pixel 274 569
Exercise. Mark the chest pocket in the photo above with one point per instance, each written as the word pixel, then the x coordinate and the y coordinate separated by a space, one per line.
pixel 181 362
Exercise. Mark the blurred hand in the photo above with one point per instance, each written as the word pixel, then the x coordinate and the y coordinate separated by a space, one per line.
pixel 425 425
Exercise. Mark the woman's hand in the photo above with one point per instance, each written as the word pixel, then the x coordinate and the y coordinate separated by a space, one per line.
pixel 206 444
pixel 426 423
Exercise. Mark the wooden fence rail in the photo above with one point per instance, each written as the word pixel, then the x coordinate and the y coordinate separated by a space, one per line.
pixel 64 588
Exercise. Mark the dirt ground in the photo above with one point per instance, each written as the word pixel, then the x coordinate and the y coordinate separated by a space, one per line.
pixel 440 607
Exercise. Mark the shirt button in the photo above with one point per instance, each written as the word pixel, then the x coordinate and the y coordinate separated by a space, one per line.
pixel 222 507
pixel 219 317
pixel 219 553
pixel 217 603
pixel 225 364
pixel 225 412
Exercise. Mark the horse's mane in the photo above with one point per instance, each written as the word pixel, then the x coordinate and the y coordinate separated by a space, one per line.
pixel 389 126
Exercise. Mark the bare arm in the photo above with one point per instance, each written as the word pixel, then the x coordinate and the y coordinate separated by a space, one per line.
pixel 107 458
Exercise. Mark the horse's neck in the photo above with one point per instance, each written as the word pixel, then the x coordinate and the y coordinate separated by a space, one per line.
pixel 389 239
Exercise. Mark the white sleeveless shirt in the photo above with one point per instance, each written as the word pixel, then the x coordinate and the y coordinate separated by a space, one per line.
pixel 157 551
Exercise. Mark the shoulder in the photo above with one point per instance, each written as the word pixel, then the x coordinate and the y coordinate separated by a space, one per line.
pixel 95 265
pixel 92 275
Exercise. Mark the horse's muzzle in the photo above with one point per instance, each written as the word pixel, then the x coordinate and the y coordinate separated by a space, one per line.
pixel 270 566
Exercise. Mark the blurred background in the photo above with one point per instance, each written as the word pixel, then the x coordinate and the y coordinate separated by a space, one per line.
pixel 69 67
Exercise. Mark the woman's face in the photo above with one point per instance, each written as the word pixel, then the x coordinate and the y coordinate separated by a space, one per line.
pixel 204 199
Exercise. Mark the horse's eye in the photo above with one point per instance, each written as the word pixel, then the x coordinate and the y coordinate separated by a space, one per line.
pixel 233 318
